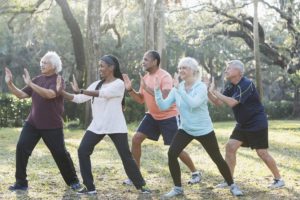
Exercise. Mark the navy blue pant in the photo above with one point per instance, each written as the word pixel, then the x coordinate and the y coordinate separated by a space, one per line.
pixel 120 141
pixel 54 140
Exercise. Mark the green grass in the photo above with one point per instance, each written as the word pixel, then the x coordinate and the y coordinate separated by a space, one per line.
pixel 251 174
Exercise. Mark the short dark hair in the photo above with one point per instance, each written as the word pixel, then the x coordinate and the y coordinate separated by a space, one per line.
pixel 155 55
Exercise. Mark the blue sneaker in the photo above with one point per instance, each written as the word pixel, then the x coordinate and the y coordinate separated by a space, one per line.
pixel 17 186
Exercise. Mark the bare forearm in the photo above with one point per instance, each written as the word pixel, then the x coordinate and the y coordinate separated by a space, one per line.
pixel 67 95
pixel 231 102
pixel 214 99
pixel 43 92
pixel 136 96
pixel 16 91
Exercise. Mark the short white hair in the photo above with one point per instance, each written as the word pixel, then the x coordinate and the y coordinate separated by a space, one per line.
pixel 237 64
pixel 191 63
pixel 54 59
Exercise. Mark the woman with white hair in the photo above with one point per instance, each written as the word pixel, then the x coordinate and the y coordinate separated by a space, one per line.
pixel 44 121
pixel 190 97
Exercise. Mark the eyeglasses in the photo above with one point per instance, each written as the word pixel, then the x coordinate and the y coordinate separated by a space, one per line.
pixel 44 63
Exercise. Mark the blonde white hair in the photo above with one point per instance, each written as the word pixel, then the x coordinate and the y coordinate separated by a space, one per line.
pixel 191 63
pixel 54 59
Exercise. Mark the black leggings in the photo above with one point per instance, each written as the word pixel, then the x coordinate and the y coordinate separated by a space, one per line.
pixel 210 144
pixel 120 141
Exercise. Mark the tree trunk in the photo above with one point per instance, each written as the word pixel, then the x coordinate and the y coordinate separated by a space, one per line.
pixel 296 106
pixel 159 37
pixel 77 38
pixel 256 51
pixel 148 19
pixel 93 48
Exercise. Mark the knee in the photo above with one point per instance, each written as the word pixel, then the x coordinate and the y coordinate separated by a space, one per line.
pixel 137 139
pixel 230 148
pixel 172 154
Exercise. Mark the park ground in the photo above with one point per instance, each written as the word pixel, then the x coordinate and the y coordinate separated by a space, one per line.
pixel 251 174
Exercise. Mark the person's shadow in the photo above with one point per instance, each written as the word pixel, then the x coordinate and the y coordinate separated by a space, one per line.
pixel 71 195
pixel 22 195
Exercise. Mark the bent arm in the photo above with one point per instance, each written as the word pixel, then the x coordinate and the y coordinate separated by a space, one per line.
pixel 231 102
pixel 166 103
pixel 17 92
pixel 43 92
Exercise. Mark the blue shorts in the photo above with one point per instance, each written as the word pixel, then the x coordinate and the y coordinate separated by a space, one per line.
pixel 153 128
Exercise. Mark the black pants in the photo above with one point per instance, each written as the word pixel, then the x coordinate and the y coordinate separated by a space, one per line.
pixel 54 139
pixel 210 144
pixel 120 141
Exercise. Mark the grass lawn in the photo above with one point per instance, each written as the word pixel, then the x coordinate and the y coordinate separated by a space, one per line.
pixel 251 174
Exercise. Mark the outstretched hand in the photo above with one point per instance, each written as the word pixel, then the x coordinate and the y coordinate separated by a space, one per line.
pixel 176 80
pixel 157 83
pixel 74 85
pixel 212 85
pixel 127 82
pixel 59 86
pixel 26 77
pixel 8 76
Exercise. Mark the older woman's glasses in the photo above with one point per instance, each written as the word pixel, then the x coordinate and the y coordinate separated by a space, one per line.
pixel 44 63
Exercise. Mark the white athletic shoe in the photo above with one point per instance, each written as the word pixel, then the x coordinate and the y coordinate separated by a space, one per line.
pixel 127 182
pixel 176 191
pixel 222 185
pixel 277 184
pixel 235 190
pixel 196 178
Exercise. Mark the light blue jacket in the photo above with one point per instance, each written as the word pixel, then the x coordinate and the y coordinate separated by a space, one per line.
pixel 192 107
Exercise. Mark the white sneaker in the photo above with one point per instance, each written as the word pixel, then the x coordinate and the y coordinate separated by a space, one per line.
pixel 235 190
pixel 196 178
pixel 127 182
pixel 277 184
pixel 222 185
pixel 176 191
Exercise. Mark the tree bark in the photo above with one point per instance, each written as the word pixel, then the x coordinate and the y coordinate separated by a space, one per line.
pixel 93 51
pixel 256 52
pixel 77 39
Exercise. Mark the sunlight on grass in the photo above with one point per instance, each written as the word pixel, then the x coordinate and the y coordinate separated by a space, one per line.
pixel 251 174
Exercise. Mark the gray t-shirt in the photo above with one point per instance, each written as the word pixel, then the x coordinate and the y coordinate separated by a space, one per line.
pixel 45 113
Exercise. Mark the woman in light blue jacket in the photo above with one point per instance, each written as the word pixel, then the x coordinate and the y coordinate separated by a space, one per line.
pixel 191 98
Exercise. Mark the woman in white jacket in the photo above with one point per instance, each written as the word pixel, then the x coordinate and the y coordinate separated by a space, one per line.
pixel 107 101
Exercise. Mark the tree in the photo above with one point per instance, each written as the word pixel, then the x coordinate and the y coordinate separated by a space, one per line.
pixel 77 39
pixel 256 52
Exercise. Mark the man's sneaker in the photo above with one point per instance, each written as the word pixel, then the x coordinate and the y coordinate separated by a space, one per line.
pixel 17 186
pixel 196 178
pixel 235 190
pixel 145 190
pixel 176 191
pixel 278 183
pixel 127 182
pixel 222 185
pixel 84 190
pixel 76 186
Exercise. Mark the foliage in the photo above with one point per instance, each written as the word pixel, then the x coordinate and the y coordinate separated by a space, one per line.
pixel 13 111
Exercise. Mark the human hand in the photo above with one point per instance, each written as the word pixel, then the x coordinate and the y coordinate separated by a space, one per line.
pixel 59 86
pixel 212 85
pixel 176 80
pixel 74 85
pixel 142 82
pixel 157 83
pixel 26 77
pixel 127 82
pixel 8 76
